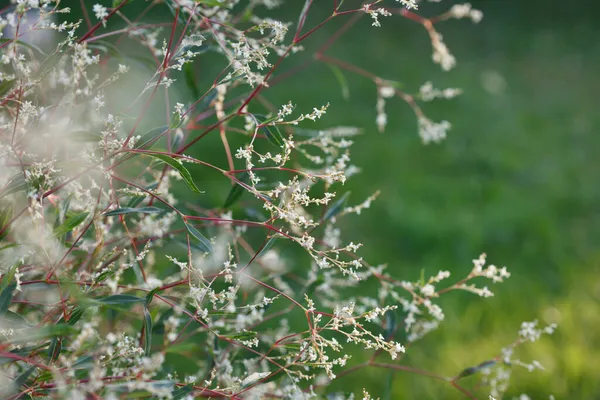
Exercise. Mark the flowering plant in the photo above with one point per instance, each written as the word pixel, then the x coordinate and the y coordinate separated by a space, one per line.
pixel 123 278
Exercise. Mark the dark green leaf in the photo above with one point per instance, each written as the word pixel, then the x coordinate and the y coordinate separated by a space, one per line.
pixel 119 299
pixel 84 361
pixel 190 79
pixel 203 242
pixel 336 207
pixel 54 349
pixel 147 332
pixel 237 190
pixel 127 210
pixel 151 137
pixel 271 131
pixel 76 315
pixel 314 284
pixel 472 370
pixel 339 75
pixel 268 245
pixel 391 322
pixel 21 379
pixel 182 392
pixel 183 171
pixel 150 296
pixel 117 3
pixel 6 214
pixel 136 200
pixel 207 100
pixel 6 296
pixel 245 335
pixel 70 224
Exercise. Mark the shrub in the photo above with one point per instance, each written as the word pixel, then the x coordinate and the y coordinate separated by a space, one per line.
pixel 128 273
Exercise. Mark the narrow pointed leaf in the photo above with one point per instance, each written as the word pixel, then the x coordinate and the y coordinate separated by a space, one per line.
pixel 118 299
pixel 237 190
pixel 183 171
pixel 203 243
pixel 336 207
pixel 127 210
pixel 147 332
pixel 70 224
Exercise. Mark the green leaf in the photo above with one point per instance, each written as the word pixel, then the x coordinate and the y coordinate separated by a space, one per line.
pixel 117 3
pixel 244 335
pixel 127 210
pixel 271 131
pixel 341 78
pixel 237 190
pixel 6 297
pixel 8 277
pixel 21 379
pixel 150 138
pixel 268 245
pixel 5 86
pixel 120 299
pixel 182 348
pixel 190 79
pixel 6 214
pixel 54 349
pixel 76 315
pixel 336 207
pixel 49 331
pixel 9 246
pixel 150 296
pixel 16 184
pixel 147 331
pixel 84 361
pixel 207 100
pixel 391 321
pixel 70 224
pixel 203 242
pixel 210 3
pixel 314 284
pixel 175 164
pixel 182 392
pixel 176 121
pixel 473 370
pixel 137 199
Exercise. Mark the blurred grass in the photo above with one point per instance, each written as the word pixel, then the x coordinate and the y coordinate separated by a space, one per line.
pixel 516 178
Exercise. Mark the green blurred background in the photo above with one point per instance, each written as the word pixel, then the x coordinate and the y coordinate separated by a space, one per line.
pixel 516 178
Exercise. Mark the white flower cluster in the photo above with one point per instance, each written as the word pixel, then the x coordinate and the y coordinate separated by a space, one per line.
pixel 465 10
